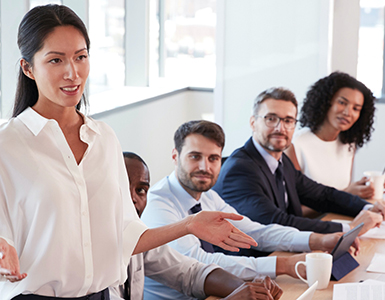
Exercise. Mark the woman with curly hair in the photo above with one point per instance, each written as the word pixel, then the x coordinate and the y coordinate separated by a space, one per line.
pixel 337 119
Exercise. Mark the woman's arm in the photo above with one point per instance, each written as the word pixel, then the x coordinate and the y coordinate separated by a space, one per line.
pixel 360 187
pixel 210 226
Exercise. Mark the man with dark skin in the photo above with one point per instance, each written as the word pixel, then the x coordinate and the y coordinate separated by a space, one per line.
pixel 161 263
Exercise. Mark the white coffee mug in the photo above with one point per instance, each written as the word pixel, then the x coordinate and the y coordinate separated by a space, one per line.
pixel 377 179
pixel 318 268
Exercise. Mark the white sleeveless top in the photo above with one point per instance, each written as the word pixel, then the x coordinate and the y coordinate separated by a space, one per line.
pixel 329 163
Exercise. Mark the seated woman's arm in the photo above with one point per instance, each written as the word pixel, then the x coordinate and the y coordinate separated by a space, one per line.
pixel 360 187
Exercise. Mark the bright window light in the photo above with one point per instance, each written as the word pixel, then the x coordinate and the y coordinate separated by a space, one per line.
pixel 106 31
pixel 370 69
pixel 183 42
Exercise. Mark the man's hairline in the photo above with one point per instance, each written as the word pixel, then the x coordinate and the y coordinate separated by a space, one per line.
pixel 183 144
pixel 255 113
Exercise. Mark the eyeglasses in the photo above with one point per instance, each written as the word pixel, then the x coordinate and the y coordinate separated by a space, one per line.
pixel 272 121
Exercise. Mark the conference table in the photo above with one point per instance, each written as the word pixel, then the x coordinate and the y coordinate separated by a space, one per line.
pixel 293 288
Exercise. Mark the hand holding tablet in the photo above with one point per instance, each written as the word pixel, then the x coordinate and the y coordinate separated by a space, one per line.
pixel 345 241
pixel 343 262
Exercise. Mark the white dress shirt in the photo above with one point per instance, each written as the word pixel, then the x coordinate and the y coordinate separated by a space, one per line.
pixel 169 267
pixel 74 226
pixel 168 202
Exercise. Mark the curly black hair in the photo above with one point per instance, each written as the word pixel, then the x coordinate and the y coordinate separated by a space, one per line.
pixel 318 102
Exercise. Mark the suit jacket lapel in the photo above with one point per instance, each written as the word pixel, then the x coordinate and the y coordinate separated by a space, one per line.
pixel 257 157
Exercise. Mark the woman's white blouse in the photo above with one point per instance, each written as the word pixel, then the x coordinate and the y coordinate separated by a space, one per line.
pixel 74 226
pixel 329 163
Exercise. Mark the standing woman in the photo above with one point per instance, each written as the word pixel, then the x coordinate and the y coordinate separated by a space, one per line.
pixel 64 215
pixel 337 116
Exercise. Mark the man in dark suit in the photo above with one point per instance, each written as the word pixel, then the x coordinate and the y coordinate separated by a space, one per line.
pixel 260 181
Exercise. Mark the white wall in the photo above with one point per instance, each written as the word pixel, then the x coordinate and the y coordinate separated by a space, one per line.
pixel 147 128
pixel 371 156
pixel 264 44
pixel 290 43
pixel 346 24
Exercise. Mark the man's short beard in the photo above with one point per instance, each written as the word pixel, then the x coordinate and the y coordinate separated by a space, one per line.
pixel 190 185
pixel 186 181
pixel 271 148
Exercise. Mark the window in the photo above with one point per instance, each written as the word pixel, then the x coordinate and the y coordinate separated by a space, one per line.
pixel 182 42
pixel 107 53
pixel 173 41
pixel 33 3
pixel 370 68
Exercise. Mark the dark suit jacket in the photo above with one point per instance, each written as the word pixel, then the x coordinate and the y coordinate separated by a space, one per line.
pixel 246 183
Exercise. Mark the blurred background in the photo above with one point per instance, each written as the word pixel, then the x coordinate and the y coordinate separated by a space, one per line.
pixel 158 63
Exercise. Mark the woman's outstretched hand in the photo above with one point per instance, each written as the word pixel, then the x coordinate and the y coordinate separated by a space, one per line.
pixel 213 227
pixel 9 263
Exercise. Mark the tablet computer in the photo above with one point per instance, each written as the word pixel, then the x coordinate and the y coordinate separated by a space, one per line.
pixel 345 242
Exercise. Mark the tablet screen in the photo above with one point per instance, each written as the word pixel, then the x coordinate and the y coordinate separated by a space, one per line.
pixel 346 241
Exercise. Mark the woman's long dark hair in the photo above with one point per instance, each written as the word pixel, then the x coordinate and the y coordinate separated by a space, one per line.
pixel 33 30
pixel 318 102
